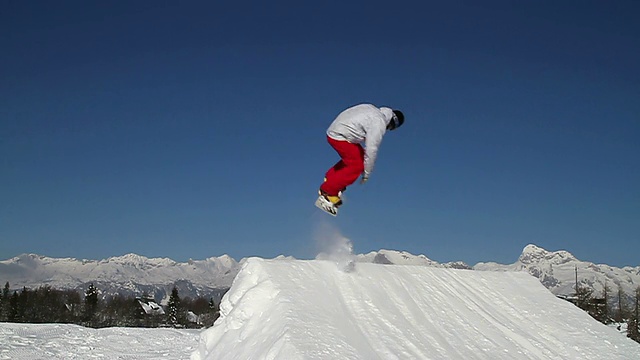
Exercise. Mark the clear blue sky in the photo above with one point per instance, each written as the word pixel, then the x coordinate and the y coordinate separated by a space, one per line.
pixel 192 129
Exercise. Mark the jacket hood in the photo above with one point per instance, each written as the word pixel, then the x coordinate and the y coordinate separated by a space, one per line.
pixel 388 114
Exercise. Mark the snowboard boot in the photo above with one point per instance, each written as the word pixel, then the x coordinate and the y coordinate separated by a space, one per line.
pixel 326 205
pixel 335 200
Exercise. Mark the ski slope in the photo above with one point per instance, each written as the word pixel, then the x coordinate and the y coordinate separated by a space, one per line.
pixel 312 310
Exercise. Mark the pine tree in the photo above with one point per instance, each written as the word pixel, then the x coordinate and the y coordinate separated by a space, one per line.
pixel 604 313
pixel 90 304
pixel 212 314
pixel 584 296
pixel 174 309
pixel 52 304
pixel 72 306
pixel 23 305
pixel 621 312
pixel 12 316
pixel 633 326
pixel 5 297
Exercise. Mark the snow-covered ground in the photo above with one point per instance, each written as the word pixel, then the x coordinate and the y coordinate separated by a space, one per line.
pixel 313 310
pixel 65 341
pixel 296 309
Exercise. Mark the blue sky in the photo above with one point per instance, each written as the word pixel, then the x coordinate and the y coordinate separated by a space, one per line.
pixel 194 129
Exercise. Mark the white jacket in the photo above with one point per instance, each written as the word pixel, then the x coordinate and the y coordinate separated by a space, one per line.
pixel 364 123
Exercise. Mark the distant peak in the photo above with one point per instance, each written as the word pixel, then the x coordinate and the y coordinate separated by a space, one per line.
pixel 31 257
pixel 224 257
pixel 535 254
pixel 402 254
pixel 131 257
pixel 139 261
pixel 531 248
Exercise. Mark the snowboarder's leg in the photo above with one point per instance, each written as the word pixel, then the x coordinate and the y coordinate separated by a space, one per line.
pixel 339 165
pixel 346 171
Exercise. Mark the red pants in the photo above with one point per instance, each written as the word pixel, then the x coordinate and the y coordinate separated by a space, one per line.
pixel 346 171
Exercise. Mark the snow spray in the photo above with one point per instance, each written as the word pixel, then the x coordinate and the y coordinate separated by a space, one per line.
pixel 333 246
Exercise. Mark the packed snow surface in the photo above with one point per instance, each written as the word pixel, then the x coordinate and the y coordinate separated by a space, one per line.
pixel 65 341
pixel 313 310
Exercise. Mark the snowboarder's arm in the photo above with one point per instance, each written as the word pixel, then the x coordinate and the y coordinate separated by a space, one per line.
pixel 372 143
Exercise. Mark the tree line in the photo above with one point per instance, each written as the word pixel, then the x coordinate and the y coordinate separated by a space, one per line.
pixel 48 305
pixel 611 308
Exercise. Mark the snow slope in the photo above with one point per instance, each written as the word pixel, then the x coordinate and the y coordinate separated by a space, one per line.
pixel 311 310
pixel 65 341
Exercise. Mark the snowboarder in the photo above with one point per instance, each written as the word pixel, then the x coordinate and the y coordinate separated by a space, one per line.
pixel 364 123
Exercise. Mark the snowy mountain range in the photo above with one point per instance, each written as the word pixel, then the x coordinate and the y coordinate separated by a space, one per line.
pixel 557 271
pixel 393 257
pixel 128 275
pixel 137 275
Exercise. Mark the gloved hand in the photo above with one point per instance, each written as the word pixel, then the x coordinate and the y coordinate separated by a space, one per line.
pixel 364 179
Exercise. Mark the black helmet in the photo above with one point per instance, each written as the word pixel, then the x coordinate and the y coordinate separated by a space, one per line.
pixel 396 121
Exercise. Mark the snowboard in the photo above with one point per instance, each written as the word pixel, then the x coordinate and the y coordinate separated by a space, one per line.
pixel 326 206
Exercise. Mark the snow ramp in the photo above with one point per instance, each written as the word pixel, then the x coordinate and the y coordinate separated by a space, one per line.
pixel 295 309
